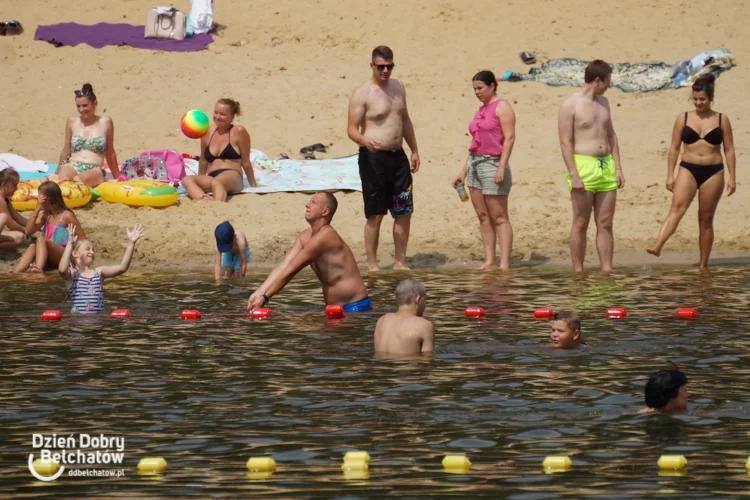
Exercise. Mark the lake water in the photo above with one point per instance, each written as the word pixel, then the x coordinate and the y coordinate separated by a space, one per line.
pixel 206 395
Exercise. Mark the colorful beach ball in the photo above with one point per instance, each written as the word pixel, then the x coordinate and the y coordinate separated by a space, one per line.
pixel 194 124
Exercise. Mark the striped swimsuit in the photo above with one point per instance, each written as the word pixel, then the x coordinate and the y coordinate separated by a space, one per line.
pixel 87 294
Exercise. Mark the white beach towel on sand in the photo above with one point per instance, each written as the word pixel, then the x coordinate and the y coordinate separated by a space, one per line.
pixel 290 175
pixel 21 164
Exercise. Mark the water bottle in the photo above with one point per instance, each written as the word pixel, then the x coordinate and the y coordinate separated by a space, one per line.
pixel 461 191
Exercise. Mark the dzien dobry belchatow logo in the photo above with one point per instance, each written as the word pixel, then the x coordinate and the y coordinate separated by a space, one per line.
pixel 74 451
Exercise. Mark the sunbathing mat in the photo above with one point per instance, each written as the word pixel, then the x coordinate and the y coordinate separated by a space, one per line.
pixel 273 176
pixel 103 34
pixel 628 77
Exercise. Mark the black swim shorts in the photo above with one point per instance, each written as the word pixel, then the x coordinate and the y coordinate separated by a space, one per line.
pixel 386 182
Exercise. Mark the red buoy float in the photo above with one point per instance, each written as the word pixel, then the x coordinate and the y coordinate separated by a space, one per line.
pixel 120 313
pixel 335 312
pixel 543 313
pixel 687 312
pixel 616 312
pixel 474 312
pixel 51 315
pixel 260 313
pixel 190 314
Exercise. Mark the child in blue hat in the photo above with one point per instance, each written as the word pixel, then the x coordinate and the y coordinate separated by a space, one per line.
pixel 232 252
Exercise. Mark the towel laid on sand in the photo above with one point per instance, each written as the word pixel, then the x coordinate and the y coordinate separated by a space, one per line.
pixel 628 77
pixel 273 176
pixel 102 34
pixel 21 164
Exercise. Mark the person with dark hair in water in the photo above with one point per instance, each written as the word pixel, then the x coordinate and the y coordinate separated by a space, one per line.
pixel 666 392
pixel 701 171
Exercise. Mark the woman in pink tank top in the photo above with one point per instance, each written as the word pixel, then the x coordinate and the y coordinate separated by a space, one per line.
pixel 486 171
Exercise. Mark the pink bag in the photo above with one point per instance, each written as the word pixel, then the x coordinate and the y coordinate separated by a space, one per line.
pixel 150 168
pixel 174 162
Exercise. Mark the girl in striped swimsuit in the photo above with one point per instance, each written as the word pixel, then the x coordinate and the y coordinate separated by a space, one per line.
pixel 85 281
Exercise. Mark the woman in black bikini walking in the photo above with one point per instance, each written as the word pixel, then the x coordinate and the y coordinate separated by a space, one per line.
pixel 225 153
pixel 701 169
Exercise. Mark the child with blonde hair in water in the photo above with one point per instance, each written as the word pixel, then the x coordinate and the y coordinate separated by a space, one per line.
pixel 51 216
pixel 85 281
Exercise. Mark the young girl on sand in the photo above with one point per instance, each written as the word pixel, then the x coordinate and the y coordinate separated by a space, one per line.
pixel 12 224
pixel 51 216
pixel 84 281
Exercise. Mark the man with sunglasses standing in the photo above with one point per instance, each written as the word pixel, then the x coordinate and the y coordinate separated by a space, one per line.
pixel 379 123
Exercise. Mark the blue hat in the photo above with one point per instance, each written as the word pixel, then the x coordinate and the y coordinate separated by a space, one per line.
pixel 224 237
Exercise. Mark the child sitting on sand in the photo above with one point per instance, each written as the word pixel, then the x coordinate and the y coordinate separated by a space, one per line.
pixel 51 216
pixel 232 252
pixel 406 331
pixel 84 281
pixel 12 224
pixel 566 330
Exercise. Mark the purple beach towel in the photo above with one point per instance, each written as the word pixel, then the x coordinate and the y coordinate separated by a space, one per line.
pixel 103 34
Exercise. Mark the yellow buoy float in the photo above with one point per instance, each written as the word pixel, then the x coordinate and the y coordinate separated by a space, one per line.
pixel 357 456
pixel 356 461
pixel 672 462
pixel 261 464
pixel 46 467
pixel 152 465
pixel 456 463
pixel 139 193
pixel 557 463
pixel 75 194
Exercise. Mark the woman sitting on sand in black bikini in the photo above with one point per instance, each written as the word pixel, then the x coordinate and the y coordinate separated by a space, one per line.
pixel 225 152
pixel 701 169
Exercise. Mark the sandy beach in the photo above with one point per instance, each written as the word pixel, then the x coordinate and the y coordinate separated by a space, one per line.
pixel 294 77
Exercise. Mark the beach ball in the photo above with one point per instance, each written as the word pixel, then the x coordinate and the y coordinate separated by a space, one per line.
pixel 194 124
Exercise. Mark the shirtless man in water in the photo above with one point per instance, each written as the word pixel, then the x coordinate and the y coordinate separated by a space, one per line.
pixel 330 257
pixel 379 122
pixel 592 157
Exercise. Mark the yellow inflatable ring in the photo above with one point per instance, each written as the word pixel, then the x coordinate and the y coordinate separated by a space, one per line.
pixel 138 193
pixel 75 194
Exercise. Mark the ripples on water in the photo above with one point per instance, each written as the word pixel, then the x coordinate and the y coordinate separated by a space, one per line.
pixel 206 395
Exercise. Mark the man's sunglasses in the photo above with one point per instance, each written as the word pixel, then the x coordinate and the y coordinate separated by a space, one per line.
pixel 382 67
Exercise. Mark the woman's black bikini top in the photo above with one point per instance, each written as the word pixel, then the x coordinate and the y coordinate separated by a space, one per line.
pixel 229 152
pixel 690 136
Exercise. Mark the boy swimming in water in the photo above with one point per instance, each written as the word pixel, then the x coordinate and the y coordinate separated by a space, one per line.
pixel 232 252
pixel 566 331
pixel 406 331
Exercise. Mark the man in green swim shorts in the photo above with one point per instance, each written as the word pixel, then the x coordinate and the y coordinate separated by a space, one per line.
pixel 592 157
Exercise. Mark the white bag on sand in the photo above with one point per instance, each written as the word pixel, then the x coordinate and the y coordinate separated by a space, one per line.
pixel 165 23
pixel 202 16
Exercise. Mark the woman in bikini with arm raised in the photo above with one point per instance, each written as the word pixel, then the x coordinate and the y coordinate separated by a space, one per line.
pixel 89 142
pixel 702 167
pixel 225 153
